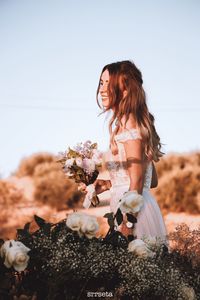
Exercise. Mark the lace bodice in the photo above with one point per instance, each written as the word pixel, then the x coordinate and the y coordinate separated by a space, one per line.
pixel 116 164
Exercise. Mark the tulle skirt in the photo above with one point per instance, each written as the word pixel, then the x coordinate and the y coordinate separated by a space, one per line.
pixel 150 222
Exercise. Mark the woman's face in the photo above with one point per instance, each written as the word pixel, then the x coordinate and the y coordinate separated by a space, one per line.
pixel 104 80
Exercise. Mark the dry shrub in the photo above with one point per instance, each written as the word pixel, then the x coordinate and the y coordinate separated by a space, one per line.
pixel 9 194
pixel 180 191
pixel 10 200
pixel 28 165
pixel 4 216
pixel 52 187
pixel 177 161
pixel 187 243
pixel 179 183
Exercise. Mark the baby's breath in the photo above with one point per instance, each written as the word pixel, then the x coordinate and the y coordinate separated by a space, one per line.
pixel 64 265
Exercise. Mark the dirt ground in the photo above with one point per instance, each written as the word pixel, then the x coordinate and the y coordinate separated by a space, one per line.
pixel 21 213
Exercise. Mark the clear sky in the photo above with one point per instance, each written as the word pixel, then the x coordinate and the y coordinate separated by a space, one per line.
pixel 51 56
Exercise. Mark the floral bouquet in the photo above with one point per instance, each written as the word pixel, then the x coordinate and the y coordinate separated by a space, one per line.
pixel 82 164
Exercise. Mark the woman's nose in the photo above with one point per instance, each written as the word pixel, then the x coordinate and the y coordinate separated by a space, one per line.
pixel 103 88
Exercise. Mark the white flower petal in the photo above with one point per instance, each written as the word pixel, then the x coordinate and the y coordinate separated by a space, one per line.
pixel 131 202
pixel 140 248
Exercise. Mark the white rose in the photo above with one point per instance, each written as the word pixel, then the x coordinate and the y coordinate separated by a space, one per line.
pixel 69 162
pixel 84 224
pixel 5 247
pixel 131 202
pixel 79 162
pixel 89 226
pixel 188 292
pixel 74 221
pixel 152 242
pixel 140 248
pixel 88 165
pixel 15 254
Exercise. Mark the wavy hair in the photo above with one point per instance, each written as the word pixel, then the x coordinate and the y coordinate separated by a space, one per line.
pixel 124 75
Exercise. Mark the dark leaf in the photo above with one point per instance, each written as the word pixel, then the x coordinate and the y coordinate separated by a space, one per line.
pixel 111 222
pixel 130 238
pixel 5 284
pixel 108 215
pixel 116 238
pixel 40 222
pixel 119 216
pixel 131 218
pixel 110 218
pixel 47 229
pixel 27 226
pixel 165 248
pixel 22 233
pixel 94 176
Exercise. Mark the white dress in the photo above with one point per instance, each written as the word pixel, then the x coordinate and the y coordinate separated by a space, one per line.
pixel 149 220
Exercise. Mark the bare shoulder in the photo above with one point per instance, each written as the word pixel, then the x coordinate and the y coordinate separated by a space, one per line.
pixel 129 124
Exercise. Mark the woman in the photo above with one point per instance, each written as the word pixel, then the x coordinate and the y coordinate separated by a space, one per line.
pixel 134 145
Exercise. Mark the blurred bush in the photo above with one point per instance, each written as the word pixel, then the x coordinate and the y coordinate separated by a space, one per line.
pixel 27 165
pixel 178 176
pixel 177 161
pixel 179 183
pixel 10 198
pixel 10 195
pixel 187 243
pixel 52 187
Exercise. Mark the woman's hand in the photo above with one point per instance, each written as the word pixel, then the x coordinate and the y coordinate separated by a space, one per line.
pixel 102 185
pixel 124 229
pixel 82 187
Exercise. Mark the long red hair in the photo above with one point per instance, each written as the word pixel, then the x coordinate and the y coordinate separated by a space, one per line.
pixel 125 75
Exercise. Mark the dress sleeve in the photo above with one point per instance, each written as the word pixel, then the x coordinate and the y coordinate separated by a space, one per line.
pixel 128 134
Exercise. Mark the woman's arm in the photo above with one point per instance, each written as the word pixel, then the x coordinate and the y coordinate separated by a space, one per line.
pixel 133 150
pixel 154 180
pixel 103 183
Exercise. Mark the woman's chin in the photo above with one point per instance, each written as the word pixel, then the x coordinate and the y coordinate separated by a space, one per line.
pixel 105 105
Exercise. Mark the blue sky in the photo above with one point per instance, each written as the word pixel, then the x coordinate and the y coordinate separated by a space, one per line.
pixel 51 56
